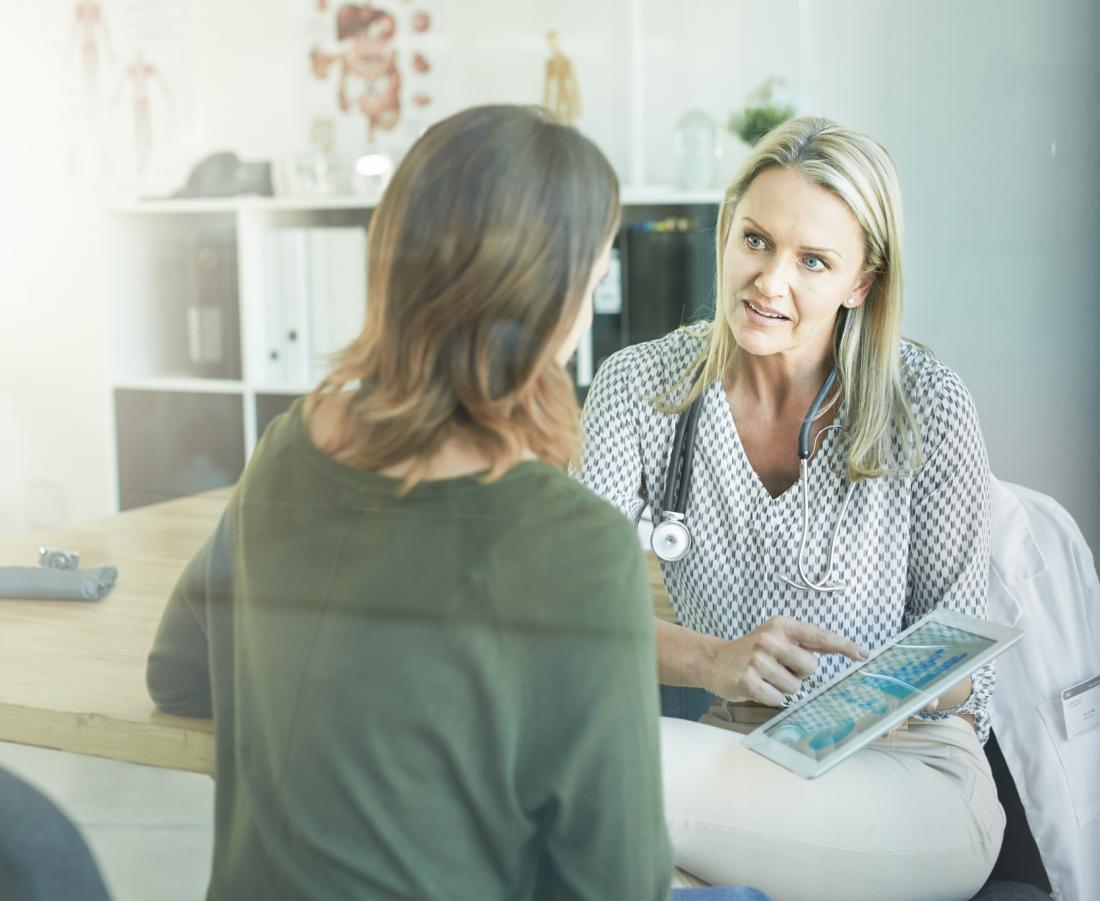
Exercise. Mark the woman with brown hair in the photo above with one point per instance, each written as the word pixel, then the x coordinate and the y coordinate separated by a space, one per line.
pixel 427 650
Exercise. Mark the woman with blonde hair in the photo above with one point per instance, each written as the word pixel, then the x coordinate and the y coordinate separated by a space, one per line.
pixel 427 650
pixel 809 277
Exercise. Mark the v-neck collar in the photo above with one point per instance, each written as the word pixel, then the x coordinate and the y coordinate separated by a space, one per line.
pixel 716 395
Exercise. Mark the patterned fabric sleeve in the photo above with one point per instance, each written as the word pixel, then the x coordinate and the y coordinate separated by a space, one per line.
pixel 950 529
pixel 611 461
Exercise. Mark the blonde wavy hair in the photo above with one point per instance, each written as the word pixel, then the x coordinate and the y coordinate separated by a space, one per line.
pixel 860 173
pixel 479 254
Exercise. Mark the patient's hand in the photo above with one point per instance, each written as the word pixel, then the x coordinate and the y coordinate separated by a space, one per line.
pixel 772 660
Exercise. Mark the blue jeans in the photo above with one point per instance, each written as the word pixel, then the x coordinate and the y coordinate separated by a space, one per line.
pixel 718 893
pixel 684 703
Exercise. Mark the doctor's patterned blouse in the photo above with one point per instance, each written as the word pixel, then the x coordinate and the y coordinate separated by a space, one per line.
pixel 908 544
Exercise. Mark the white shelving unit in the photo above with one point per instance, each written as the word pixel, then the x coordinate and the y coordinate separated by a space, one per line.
pixel 222 311
pixel 630 195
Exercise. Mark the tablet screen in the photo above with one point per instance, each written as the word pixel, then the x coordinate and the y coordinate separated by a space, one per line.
pixel 858 701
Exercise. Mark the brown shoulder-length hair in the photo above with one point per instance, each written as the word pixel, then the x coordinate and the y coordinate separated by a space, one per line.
pixel 479 254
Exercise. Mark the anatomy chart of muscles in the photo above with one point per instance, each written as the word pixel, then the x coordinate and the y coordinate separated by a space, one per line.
pixel 138 79
pixel 127 94
pixel 88 39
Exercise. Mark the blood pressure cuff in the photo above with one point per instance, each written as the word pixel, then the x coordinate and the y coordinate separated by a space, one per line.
pixel 43 583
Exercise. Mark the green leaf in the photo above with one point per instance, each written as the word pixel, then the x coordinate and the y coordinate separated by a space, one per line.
pixel 753 122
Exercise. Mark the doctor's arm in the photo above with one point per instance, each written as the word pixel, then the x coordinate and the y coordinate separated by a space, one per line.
pixel 950 536
pixel 761 666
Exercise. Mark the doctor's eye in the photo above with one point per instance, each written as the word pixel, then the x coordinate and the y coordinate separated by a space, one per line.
pixel 815 263
pixel 754 241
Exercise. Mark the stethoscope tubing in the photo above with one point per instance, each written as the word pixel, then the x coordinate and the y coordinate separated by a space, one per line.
pixel 671 537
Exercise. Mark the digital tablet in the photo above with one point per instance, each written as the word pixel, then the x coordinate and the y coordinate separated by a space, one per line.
pixel 815 734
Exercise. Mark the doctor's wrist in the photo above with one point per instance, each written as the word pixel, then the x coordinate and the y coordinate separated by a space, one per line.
pixel 714 672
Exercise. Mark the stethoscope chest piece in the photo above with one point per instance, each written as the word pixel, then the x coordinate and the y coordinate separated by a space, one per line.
pixel 671 539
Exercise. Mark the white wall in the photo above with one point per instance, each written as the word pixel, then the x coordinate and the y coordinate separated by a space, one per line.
pixel 992 114
pixel 710 55
pixel 970 99
pixel 53 398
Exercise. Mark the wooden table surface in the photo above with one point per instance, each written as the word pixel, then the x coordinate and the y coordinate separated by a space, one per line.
pixel 72 673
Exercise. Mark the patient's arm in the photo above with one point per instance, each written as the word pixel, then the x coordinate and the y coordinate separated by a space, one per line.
pixel 178 670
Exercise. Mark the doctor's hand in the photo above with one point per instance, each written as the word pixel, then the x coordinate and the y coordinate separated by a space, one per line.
pixel 953 697
pixel 903 726
pixel 772 660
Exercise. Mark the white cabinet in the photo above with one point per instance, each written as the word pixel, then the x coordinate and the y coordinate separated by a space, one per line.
pixel 223 311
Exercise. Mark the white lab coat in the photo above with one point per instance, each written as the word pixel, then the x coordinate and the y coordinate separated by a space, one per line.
pixel 1044 580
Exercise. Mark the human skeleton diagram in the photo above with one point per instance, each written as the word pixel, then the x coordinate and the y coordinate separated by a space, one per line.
pixel 370 80
pixel 139 74
pixel 89 26
pixel 560 94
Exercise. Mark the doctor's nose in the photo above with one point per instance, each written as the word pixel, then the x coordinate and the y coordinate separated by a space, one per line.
pixel 773 281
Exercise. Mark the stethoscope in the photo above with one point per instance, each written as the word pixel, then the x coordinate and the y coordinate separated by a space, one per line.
pixel 671 538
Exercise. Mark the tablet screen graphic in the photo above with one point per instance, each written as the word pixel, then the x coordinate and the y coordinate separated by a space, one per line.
pixel 859 701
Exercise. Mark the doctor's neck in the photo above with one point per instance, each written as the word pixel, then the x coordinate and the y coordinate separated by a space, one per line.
pixel 776 379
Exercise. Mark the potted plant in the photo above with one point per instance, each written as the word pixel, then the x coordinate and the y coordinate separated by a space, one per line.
pixel 761 114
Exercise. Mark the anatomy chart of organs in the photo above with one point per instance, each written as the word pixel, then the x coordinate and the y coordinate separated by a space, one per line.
pixel 375 58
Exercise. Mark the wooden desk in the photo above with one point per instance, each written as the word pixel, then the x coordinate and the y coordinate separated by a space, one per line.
pixel 72 673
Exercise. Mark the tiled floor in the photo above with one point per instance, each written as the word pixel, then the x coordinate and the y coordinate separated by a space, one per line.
pixel 150 829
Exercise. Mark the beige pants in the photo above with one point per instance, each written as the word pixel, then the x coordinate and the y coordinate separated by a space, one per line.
pixel 912 817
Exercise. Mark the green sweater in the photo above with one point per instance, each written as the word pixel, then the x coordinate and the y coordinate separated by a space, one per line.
pixel 450 695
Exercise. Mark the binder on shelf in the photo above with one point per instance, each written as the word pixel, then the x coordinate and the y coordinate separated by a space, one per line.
pixel 607 334
pixel 286 307
pixel 607 299
pixel 210 317
pixel 657 255
pixel 701 274
pixel 670 276
pixel 607 307
pixel 315 285
pixel 585 369
pixel 338 302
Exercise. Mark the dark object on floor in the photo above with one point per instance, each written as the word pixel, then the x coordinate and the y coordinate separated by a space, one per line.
pixel 1019 859
pixel 226 175
pixel 42 856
